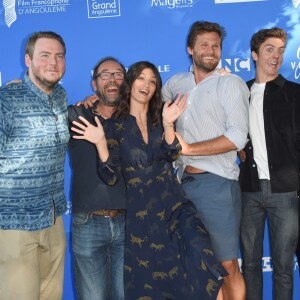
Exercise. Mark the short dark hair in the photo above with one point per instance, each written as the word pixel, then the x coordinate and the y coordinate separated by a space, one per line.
pixel 199 27
pixel 30 44
pixel 103 60
pixel 155 104
pixel 260 36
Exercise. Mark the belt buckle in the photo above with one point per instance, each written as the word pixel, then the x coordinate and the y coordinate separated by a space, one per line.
pixel 106 214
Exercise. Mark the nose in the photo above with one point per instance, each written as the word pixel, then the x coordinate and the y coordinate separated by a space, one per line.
pixel 53 60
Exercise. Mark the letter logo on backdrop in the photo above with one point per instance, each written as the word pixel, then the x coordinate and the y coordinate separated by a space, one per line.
pixel 236 1
pixel 14 8
pixel 103 8
pixel 296 65
pixel 9 11
pixel 296 3
pixel 171 4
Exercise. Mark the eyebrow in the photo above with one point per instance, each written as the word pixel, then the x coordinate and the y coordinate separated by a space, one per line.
pixel 47 52
pixel 107 70
pixel 270 45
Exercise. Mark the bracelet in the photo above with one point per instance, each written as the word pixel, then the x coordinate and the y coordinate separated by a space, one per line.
pixel 168 125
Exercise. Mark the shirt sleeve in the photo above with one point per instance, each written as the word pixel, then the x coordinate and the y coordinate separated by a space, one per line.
pixel 4 124
pixel 171 151
pixel 167 90
pixel 110 171
pixel 234 96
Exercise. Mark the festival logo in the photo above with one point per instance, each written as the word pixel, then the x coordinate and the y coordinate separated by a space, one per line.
pixel 237 1
pixel 171 4
pixel 296 65
pixel 267 265
pixel 103 9
pixel 14 8
pixel 235 65
pixel 296 3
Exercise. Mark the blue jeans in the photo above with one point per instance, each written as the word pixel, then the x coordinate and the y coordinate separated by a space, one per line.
pixel 281 211
pixel 98 246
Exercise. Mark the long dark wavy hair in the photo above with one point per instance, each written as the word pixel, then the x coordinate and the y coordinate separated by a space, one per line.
pixel 155 104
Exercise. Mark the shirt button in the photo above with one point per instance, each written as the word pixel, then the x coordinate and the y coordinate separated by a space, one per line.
pixel 253 165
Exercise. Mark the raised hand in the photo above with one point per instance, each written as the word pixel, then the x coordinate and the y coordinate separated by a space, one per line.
pixel 172 110
pixel 89 132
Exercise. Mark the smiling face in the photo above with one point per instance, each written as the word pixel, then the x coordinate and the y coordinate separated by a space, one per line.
pixel 268 59
pixel 47 64
pixel 206 52
pixel 143 87
pixel 108 89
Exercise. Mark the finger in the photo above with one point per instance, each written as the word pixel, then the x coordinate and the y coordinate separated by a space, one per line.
pixel 85 104
pixel 179 96
pixel 78 137
pixel 97 122
pixel 77 130
pixel 85 121
pixel 79 125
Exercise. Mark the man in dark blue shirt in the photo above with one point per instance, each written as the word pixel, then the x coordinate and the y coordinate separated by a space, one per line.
pixel 98 225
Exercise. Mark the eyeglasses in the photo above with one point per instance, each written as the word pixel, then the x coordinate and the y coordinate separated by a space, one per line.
pixel 107 75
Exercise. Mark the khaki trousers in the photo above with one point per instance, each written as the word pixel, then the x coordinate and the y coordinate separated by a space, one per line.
pixel 32 263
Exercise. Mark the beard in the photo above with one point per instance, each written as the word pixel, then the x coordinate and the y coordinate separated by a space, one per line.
pixel 111 101
pixel 207 67
pixel 106 100
pixel 42 81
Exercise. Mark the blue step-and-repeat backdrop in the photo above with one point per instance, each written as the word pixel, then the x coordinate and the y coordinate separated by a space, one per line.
pixel 134 30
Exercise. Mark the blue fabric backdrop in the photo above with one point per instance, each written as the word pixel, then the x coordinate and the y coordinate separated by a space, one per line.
pixel 134 30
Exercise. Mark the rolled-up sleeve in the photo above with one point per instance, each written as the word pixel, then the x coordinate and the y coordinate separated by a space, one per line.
pixel 234 95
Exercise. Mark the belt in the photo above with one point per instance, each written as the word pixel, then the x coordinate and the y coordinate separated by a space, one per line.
pixel 109 213
pixel 193 170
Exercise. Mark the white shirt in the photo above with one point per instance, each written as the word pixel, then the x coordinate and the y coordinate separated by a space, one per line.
pixel 257 129
pixel 217 106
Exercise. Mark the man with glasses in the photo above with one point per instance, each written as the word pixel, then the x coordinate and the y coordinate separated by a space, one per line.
pixel 98 225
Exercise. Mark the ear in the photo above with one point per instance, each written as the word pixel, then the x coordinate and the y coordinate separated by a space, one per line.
pixel 254 55
pixel 190 51
pixel 94 85
pixel 27 60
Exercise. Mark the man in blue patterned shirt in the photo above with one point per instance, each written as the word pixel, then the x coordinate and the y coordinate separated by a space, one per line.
pixel 33 142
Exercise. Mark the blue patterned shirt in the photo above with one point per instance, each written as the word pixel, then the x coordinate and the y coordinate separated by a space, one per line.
pixel 33 142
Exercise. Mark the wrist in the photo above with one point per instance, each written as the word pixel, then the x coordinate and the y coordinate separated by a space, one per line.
pixel 166 125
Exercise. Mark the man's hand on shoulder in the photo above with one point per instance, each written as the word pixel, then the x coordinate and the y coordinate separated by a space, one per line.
pixel 88 101
pixel 14 81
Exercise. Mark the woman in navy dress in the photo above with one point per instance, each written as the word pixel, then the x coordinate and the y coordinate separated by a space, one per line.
pixel 168 254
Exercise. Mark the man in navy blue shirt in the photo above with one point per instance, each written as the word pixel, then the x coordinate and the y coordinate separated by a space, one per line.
pixel 98 225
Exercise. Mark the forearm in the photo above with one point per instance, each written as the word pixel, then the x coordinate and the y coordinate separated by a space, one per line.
pixel 215 146
pixel 103 150
pixel 169 133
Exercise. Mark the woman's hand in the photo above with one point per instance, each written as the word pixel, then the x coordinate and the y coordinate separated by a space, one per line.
pixel 89 132
pixel 172 110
